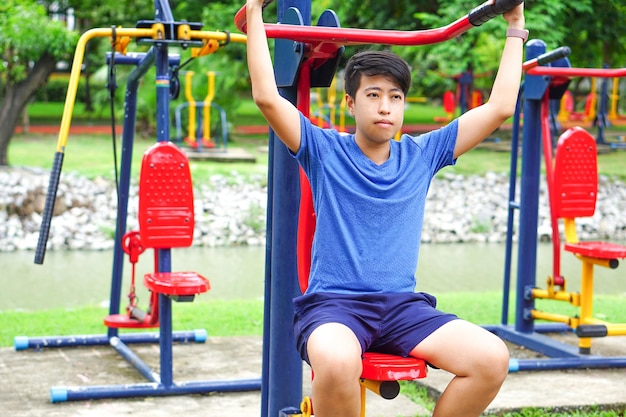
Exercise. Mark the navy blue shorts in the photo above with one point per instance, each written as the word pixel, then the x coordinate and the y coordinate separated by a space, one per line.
pixel 388 323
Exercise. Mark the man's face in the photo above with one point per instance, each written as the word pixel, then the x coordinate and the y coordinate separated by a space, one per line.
pixel 377 108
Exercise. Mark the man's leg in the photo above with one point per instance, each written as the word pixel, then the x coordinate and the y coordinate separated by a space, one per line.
pixel 335 356
pixel 478 359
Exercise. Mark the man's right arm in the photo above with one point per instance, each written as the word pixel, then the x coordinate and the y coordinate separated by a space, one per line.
pixel 280 113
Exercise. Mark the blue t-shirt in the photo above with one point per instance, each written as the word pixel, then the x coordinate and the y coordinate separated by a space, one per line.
pixel 369 217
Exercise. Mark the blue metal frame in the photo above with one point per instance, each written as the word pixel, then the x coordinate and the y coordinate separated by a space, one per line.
pixel 163 383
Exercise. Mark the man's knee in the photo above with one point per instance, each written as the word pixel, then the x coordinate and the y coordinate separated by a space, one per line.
pixel 334 352
pixel 495 361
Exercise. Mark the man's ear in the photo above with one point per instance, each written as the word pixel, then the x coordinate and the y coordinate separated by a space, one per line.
pixel 350 104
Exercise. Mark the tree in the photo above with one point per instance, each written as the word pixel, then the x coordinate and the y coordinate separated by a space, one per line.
pixel 30 46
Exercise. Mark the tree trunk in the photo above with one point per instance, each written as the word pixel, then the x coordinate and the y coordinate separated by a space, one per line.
pixel 16 97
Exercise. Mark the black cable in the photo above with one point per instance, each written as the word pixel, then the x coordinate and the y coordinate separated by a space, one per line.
pixel 112 86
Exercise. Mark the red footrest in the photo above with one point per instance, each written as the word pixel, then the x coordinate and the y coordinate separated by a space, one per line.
pixel 176 283
pixel 118 321
pixel 385 367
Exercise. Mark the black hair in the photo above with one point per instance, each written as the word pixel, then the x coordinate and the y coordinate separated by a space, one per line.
pixel 373 63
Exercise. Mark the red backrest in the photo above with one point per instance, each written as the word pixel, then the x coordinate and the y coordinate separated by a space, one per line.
pixel 575 175
pixel 306 231
pixel 166 212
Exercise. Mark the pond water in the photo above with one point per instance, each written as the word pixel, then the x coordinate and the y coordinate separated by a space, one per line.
pixel 71 279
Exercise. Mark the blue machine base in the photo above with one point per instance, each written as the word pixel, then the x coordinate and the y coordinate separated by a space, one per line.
pixel 559 355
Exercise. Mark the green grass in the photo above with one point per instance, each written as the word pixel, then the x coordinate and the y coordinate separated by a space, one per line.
pixel 244 317
pixel 92 156
pixel 218 317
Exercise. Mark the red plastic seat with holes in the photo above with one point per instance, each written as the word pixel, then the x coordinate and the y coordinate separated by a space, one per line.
pixel 166 215
pixel 575 189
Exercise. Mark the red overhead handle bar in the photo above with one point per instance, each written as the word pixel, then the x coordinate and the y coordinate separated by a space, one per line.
pixel 578 72
pixel 351 36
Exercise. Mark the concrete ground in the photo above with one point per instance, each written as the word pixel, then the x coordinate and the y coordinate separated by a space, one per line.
pixel 27 376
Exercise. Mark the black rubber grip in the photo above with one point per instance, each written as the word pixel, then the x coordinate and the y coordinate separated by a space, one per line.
pixel 554 55
pixel 46 218
pixel 591 330
pixel 488 11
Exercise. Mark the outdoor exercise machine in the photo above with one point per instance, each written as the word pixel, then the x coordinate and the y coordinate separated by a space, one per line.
pixel 600 108
pixel 165 214
pixel 465 97
pixel 307 57
pixel 545 81
pixel 197 138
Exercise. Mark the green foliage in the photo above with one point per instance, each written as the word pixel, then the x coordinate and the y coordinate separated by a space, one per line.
pixel 20 44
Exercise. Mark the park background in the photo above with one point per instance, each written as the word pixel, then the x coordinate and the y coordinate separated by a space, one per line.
pixel 34 83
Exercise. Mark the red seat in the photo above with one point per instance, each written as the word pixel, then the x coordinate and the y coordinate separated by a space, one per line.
pixel 176 284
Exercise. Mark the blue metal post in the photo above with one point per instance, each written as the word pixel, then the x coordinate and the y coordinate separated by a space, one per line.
pixel 512 207
pixel 284 367
pixel 534 90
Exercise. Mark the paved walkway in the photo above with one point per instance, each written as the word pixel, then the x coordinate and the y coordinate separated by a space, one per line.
pixel 27 376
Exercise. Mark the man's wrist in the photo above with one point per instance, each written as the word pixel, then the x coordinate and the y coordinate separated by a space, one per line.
pixel 517 33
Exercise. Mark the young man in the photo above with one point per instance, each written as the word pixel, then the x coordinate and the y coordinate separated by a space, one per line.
pixel 369 194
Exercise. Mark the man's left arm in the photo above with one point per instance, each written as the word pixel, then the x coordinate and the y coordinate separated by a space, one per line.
pixel 478 123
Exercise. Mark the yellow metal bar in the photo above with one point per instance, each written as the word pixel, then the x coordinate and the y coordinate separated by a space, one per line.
pixel 77 64
pixel 614 98
pixel 570 230
pixel 586 302
pixel 586 292
pixel 559 318
pixel 191 123
pixel 595 261
pixel 218 36
pixel 206 120
pixel 616 329
pixel 570 297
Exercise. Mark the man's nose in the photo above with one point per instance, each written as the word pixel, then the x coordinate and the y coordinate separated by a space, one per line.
pixel 384 106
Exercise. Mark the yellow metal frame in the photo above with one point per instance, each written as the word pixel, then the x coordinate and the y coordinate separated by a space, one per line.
pixel 583 299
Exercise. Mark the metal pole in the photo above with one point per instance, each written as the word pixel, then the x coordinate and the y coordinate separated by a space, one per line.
pixel 284 369
pixel 534 90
